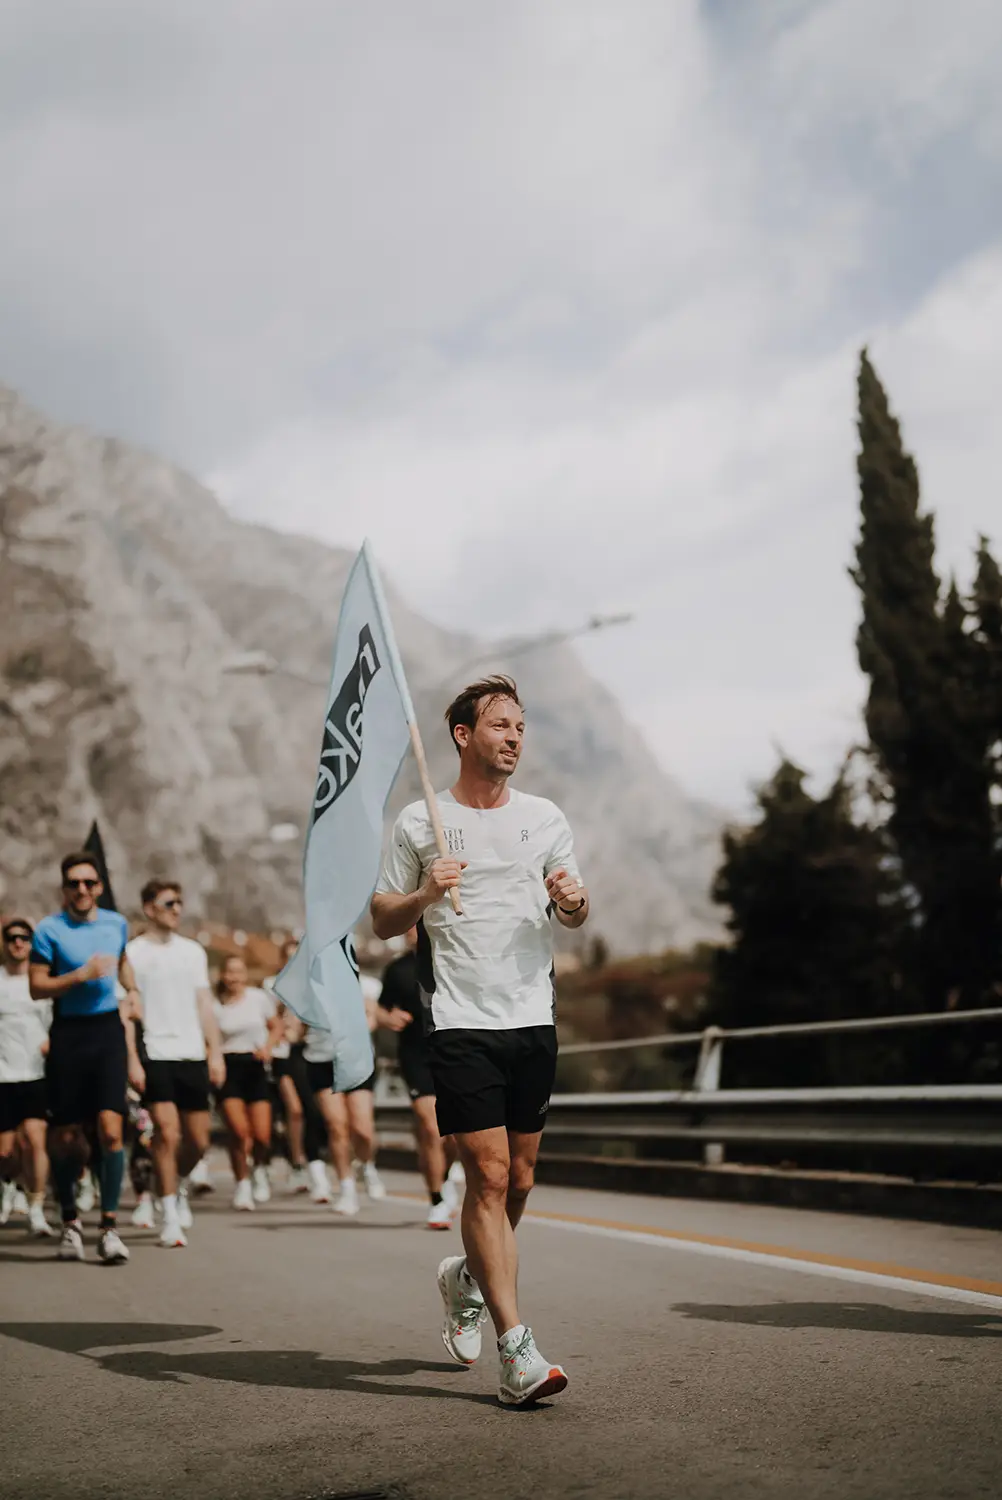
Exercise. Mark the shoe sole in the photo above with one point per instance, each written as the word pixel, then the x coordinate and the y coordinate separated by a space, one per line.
pixel 75 1255
pixel 178 1244
pixel 551 1385
pixel 439 1226
pixel 458 1358
pixel 113 1260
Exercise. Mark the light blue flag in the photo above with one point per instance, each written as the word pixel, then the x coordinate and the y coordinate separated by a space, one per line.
pixel 366 734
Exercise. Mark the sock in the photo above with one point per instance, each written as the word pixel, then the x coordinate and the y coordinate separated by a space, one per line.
pixel 37 1200
pixel 467 1279
pixel 112 1174
pixel 348 1184
pixel 513 1335
pixel 436 1199
pixel 65 1170
pixel 168 1203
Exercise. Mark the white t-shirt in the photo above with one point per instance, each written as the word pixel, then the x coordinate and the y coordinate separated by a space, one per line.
pixel 169 976
pixel 492 968
pixel 24 1026
pixel 243 1023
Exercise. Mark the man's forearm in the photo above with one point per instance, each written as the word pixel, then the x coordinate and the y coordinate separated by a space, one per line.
pixel 51 986
pixel 210 1026
pixel 393 915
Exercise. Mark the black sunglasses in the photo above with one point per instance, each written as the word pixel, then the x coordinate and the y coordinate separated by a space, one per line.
pixel 175 904
pixel 74 885
pixel 18 937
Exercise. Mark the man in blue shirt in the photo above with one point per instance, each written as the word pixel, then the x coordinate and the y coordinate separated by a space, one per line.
pixel 77 961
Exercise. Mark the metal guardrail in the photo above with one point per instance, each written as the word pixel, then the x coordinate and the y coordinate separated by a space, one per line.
pixel 941 1117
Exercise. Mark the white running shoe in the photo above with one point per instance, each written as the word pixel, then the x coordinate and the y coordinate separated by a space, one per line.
pixel 184 1217
pixel 320 1188
pixel 525 1374
pixel 86 1193
pixel 374 1185
pixel 347 1200
pixel 450 1195
pixel 456 1175
pixel 20 1204
pixel 7 1201
pixel 299 1181
pixel 172 1236
pixel 71 1246
pixel 440 1215
pixel 110 1248
pixel 243 1196
pixel 465 1312
pixel 144 1214
pixel 38 1224
pixel 261 1184
pixel 199 1178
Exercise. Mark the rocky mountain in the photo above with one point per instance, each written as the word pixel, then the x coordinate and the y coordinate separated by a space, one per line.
pixel 126 594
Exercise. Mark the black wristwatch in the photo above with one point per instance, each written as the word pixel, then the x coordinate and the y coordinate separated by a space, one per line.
pixel 574 909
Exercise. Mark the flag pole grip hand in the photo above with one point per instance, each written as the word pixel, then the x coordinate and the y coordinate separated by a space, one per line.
pixel 431 801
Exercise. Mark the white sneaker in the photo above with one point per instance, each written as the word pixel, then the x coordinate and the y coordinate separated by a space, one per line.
pixel 184 1217
pixel 440 1215
pixel 243 1197
pixel 199 1178
pixel 20 1203
pixel 374 1185
pixel 144 1214
pixel 525 1374
pixel 110 1248
pixel 71 1246
pixel 465 1312
pixel 320 1188
pixel 347 1201
pixel 7 1201
pixel 38 1225
pixel 86 1193
pixel 172 1236
pixel 261 1185
pixel 450 1195
pixel 457 1176
pixel 299 1181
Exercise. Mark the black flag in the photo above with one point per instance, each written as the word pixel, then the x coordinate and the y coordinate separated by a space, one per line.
pixel 95 849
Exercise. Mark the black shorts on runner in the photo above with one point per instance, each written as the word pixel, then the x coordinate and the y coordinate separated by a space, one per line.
pixel 22 1101
pixel 179 1081
pixel 415 1067
pixel 484 1079
pixel 281 1067
pixel 321 1076
pixel 246 1079
pixel 87 1068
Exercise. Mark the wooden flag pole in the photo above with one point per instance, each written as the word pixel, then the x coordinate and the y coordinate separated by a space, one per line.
pixel 397 667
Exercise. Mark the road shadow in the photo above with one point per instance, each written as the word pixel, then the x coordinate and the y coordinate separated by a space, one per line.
pixel 331 1223
pixel 293 1369
pixel 859 1317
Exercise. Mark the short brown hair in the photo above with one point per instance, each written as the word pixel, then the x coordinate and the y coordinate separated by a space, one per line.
pixel 154 888
pixel 465 708
pixel 81 858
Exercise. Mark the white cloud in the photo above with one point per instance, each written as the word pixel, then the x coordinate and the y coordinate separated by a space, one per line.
pixel 560 304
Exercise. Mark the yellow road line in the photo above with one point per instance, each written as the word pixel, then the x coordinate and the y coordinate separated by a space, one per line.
pixel 812 1257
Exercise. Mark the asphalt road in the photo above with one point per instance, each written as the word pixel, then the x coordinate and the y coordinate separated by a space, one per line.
pixel 290 1354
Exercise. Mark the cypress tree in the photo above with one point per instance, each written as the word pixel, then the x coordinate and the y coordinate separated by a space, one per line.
pixel 921 716
pixel 815 916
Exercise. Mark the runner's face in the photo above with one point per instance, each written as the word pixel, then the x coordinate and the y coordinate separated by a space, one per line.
pixel 496 742
pixel 81 889
pixel 165 911
pixel 16 947
pixel 234 976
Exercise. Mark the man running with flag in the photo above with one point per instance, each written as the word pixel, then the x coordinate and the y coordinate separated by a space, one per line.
pixel 487 976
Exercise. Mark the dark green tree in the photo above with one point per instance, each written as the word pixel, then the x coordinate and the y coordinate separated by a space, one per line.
pixel 922 718
pixel 816 920
pixel 986 610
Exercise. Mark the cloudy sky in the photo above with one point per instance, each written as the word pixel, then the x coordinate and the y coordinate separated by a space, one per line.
pixel 558 300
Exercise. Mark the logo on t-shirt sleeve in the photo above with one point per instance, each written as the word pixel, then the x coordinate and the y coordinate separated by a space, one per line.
pixel 342 747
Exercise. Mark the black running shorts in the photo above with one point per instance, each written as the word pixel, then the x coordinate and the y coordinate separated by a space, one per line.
pixel 179 1081
pixel 246 1079
pixel 281 1067
pixel 22 1101
pixel 485 1079
pixel 87 1069
pixel 321 1076
pixel 415 1067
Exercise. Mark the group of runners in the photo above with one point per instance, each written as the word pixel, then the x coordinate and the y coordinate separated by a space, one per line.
pixel 90 1020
